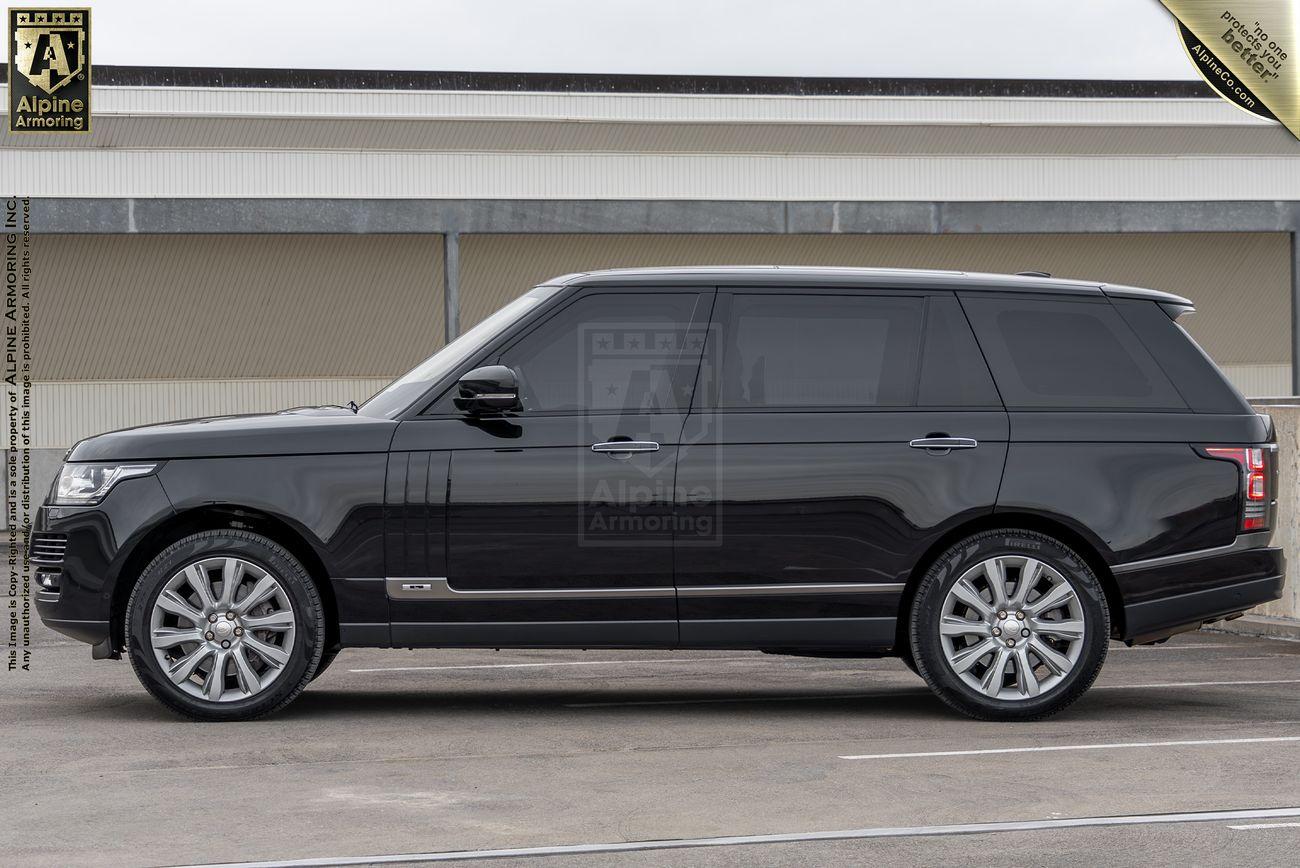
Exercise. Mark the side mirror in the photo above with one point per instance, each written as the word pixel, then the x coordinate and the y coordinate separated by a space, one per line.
pixel 490 389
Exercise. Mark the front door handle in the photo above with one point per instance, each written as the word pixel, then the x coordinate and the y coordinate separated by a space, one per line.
pixel 624 448
pixel 944 445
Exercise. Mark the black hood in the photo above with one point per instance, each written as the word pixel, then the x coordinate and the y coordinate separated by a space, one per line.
pixel 301 431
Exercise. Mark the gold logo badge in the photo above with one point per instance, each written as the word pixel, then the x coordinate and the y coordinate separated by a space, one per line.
pixel 1245 50
pixel 49 70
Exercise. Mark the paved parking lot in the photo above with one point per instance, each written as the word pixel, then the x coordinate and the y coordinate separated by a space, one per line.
pixel 395 753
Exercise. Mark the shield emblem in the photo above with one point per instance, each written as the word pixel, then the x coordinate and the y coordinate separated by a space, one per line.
pixel 49 56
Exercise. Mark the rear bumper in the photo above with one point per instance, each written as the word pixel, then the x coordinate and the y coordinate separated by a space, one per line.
pixel 1174 595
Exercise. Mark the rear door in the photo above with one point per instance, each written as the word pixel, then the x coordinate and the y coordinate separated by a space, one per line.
pixel 839 434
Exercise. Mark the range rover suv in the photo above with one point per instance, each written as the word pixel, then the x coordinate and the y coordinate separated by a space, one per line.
pixel 987 476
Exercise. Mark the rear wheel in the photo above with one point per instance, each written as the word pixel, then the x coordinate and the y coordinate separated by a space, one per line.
pixel 1009 625
pixel 225 625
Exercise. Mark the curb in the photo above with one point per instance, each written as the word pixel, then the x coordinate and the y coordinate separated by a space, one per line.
pixel 1259 625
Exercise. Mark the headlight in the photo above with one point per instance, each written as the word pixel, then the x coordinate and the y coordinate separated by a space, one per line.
pixel 84 484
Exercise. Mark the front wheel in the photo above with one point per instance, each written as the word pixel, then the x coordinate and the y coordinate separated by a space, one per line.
pixel 225 625
pixel 1009 625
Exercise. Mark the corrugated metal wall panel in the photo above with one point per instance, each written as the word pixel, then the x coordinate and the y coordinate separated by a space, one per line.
pixel 1260 381
pixel 214 306
pixel 1240 282
pixel 445 175
pixel 651 107
pixel 64 413
pixel 440 135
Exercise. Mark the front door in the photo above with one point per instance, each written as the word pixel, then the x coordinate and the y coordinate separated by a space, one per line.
pixel 557 519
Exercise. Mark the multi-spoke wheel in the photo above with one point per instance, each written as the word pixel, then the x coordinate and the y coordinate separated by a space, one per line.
pixel 225 625
pixel 1009 625
pixel 222 628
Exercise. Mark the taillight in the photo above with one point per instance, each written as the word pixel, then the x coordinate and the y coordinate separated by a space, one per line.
pixel 1256 495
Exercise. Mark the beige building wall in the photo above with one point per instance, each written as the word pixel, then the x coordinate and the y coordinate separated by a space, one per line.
pixel 125 307
pixel 1240 282
pixel 133 329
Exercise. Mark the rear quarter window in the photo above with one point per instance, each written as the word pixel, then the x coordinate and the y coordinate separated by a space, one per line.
pixel 1067 355
pixel 1200 382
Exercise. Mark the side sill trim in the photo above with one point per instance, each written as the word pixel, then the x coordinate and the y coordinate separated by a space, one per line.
pixel 438 588
pixel 1244 542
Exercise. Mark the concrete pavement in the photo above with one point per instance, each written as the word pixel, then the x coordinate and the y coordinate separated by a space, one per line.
pixel 396 752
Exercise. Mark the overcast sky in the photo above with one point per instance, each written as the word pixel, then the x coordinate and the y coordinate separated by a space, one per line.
pixel 923 38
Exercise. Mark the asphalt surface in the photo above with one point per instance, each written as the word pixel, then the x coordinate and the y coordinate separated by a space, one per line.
pixel 437 751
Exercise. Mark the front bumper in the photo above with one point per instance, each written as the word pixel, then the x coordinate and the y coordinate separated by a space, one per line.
pixel 96 542
pixel 1174 595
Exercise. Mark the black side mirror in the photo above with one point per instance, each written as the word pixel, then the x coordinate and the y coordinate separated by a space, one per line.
pixel 490 389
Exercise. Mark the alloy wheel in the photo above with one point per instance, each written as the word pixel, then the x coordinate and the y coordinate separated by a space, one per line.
pixel 1012 627
pixel 222 629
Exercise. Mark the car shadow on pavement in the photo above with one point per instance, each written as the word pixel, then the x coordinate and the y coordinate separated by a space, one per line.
pixel 893 703
pixel 883 703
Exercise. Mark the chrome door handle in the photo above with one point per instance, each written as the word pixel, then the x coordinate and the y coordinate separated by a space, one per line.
pixel 944 444
pixel 624 448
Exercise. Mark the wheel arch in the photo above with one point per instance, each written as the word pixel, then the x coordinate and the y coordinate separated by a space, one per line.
pixel 220 517
pixel 1089 550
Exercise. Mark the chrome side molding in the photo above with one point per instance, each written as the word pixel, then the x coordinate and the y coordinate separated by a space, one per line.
pixel 788 589
pixel 1244 542
pixel 440 589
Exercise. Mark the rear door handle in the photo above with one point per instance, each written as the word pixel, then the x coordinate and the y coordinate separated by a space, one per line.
pixel 944 444
pixel 624 448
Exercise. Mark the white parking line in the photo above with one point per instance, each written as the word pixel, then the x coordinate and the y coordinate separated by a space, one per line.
pixel 1186 647
pixel 564 663
pixel 1251 826
pixel 1166 684
pixel 786 838
pixel 1073 747
pixel 717 700
pixel 717 659
pixel 835 697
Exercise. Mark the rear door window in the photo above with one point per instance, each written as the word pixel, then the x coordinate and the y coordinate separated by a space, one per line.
pixel 1068 355
pixel 953 372
pixel 813 350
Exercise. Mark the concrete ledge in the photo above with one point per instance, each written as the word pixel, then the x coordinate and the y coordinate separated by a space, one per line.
pixel 695 216
pixel 1260 625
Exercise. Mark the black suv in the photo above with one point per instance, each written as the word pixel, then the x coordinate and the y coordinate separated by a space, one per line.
pixel 987 476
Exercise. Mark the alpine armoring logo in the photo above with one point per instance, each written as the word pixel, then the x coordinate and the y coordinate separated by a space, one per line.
pixel 49 70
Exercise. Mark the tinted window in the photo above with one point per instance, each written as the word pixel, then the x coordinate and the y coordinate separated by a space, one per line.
pixel 610 352
pixel 1201 384
pixel 953 372
pixel 805 350
pixel 1067 355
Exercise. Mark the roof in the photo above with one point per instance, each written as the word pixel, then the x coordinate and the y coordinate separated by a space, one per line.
pixel 810 276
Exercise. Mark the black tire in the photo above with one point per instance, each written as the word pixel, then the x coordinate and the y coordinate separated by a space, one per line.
pixel 304 653
pixel 905 654
pixel 325 660
pixel 927 610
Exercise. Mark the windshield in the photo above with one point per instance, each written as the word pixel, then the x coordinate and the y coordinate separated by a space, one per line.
pixel 394 398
